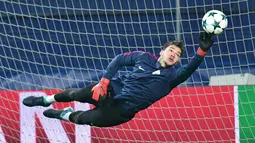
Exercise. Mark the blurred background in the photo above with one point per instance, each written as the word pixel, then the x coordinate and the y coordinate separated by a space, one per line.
pixel 62 43
pixel 49 45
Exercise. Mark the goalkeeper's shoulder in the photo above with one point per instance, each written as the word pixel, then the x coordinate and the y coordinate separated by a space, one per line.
pixel 137 53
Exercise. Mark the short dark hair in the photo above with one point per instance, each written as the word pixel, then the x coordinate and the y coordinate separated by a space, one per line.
pixel 177 43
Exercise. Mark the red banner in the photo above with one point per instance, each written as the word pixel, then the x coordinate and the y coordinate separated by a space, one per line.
pixel 20 124
pixel 200 114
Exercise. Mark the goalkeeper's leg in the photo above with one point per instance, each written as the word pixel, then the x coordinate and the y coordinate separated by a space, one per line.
pixel 68 95
pixel 102 116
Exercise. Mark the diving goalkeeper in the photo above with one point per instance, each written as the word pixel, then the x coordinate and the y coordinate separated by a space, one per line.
pixel 117 100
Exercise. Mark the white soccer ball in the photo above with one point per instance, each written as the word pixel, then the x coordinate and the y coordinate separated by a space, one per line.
pixel 214 22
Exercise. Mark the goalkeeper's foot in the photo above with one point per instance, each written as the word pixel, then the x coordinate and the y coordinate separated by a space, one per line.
pixel 58 114
pixel 31 101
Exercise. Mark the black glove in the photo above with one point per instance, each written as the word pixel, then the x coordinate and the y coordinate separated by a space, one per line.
pixel 205 41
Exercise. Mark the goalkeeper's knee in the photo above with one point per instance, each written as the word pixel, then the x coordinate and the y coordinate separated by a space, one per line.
pixel 78 118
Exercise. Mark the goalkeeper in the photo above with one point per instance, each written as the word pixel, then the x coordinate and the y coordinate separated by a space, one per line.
pixel 117 100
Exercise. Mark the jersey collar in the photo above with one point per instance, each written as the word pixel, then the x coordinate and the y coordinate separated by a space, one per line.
pixel 158 65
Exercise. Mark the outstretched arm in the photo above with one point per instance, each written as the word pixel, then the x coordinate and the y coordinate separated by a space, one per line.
pixel 184 72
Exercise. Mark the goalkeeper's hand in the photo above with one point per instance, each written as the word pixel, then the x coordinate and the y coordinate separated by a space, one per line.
pixel 205 42
pixel 100 90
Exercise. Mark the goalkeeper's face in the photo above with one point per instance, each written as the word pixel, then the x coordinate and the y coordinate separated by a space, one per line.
pixel 170 56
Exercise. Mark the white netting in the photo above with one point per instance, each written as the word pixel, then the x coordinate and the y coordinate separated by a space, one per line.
pixel 50 45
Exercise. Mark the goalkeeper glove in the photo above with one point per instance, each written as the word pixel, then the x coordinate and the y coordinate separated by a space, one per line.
pixel 205 43
pixel 100 90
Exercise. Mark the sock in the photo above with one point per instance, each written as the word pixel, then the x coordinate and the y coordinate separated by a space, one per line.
pixel 50 99
pixel 66 116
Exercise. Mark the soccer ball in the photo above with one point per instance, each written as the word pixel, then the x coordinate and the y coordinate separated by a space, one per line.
pixel 214 22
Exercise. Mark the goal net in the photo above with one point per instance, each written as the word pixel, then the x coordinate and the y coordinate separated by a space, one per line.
pixel 48 46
